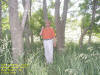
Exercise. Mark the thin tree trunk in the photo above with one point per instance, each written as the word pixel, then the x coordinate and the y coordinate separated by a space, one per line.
pixel 26 29
pixel 30 8
pixel 90 35
pixel 81 41
pixel 31 33
pixel 0 19
pixel 82 36
pixel 45 15
pixel 26 35
pixel 32 38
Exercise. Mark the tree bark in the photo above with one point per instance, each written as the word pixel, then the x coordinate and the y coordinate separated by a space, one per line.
pixel 30 20
pixel 57 21
pixel 60 23
pixel 90 35
pixel 17 29
pixel 16 33
pixel 82 36
pixel 27 34
pixel 26 10
pixel 45 15
pixel 32 38
pixel 0 19
pixel 27 30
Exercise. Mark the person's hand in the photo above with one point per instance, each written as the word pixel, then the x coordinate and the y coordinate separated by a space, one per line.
pixel 54 44
pixel 42 27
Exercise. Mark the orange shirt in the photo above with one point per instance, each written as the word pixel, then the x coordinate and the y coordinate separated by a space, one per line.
pixel 48 33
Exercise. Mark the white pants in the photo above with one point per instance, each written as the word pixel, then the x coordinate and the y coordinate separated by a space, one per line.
pixel 48 47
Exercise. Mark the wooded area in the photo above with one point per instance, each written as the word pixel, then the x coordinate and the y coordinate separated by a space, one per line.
pixel 77 29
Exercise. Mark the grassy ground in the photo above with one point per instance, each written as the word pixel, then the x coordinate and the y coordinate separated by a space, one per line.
pixel 73 61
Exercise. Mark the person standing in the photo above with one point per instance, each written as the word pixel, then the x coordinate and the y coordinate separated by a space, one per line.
pixel 48 36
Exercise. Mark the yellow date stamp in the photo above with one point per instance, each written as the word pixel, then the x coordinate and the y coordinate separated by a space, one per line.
pixel 12 68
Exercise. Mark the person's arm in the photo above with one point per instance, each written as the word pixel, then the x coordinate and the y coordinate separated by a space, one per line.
pixel 41 30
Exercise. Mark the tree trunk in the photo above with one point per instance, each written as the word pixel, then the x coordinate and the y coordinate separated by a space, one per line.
pixel 81 41
pixel 0 19
pixel 60 23
pixel 17 29
pixel 45 15
pixel 89 41
pixel 27 34
pixel 32 38
pixel 90 35
pixel 82 36
pixel 27 30
pixel 16 33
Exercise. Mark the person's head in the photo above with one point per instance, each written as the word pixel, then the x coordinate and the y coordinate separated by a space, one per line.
pixel 47 23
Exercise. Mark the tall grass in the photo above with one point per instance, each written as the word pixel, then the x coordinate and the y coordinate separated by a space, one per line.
pixel 5 51
pixel 73 61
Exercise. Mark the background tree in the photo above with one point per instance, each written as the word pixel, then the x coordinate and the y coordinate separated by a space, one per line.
pixel 90 27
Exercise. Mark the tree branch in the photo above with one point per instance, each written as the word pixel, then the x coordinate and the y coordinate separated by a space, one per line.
pixel 26 10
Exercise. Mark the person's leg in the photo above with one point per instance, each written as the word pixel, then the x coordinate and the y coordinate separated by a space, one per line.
pixel 46 53
pixel 50 51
